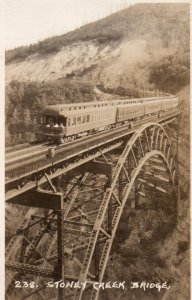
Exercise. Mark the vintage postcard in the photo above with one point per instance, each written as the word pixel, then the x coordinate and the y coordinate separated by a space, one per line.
pixel 97 150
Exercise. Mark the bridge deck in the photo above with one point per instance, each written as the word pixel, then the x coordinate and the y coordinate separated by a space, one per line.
pixel 29 165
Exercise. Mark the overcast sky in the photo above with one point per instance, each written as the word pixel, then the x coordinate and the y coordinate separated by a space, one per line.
pixel 27 21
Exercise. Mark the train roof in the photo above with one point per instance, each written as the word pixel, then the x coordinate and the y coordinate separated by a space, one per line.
pixel 56 112
pixel 58 109
pixel 87 111
pixel 91 103
pixel 129 105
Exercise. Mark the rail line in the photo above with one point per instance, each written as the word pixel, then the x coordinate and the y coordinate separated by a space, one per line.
pixel 27 150
pixel 16 147
pixel 23 175
pixel 13 159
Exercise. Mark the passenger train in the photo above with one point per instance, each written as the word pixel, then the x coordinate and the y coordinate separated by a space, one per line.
pixel 64 122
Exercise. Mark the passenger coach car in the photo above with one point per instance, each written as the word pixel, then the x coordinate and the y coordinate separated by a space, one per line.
pixel 68 121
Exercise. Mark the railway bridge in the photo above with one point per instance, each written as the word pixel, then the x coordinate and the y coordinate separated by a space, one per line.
pixel 73 201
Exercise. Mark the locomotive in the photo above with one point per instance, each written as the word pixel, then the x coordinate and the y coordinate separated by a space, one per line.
pixel 64 122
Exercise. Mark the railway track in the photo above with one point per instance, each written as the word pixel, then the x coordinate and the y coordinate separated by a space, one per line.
pixel 31 153
pixel 25 152
pixel 16 147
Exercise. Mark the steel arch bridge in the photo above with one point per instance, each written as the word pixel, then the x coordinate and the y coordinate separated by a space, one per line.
pixel 72 239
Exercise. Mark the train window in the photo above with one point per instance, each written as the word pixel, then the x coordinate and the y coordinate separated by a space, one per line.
pixel 68 122
pixel 50 121
pixel 78 120
pixel 74 121
pixel 79 107
pixel 69 108
pixel 88 118
pixel 61 121
pixel 83 119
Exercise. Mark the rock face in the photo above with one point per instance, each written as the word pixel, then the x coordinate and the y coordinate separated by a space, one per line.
pixel 88 60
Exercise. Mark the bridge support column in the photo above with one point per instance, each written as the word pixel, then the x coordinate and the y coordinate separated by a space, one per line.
pixel 60 251
pixel 136 194
pixel 50 201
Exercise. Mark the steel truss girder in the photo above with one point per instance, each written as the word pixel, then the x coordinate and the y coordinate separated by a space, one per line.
pixel 33 270
pixel 62 168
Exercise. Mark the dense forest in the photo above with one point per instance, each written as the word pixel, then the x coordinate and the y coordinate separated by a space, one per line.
pixel 24 101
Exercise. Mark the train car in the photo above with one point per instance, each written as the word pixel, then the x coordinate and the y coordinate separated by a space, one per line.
pixel 68 121
pixel 89 120
pixel 169 103
pixel 130 111
pixel 152 105
pixel 58 123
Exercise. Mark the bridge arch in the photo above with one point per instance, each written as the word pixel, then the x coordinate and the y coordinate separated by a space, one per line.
pixel 150 141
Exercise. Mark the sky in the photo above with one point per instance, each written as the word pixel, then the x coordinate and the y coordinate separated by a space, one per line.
pixel 27 21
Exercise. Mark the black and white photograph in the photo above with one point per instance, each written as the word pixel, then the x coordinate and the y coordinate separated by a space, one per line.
pixel 97 150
